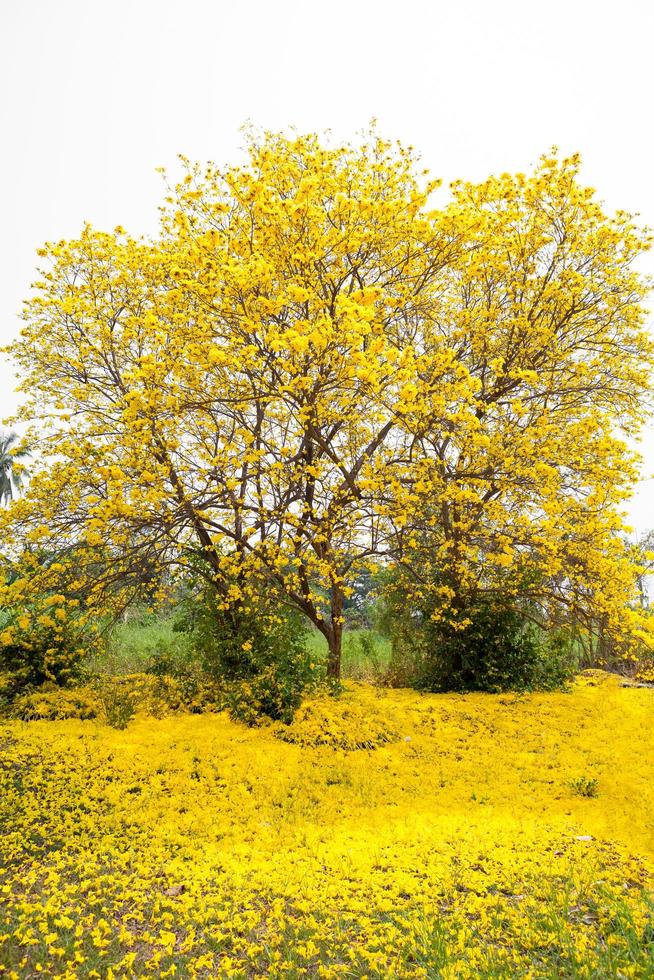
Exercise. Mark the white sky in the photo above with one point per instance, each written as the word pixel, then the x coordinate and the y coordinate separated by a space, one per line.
pixel 95 95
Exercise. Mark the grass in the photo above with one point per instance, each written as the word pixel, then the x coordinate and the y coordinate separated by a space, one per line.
pixel 135 642
pixel 365 653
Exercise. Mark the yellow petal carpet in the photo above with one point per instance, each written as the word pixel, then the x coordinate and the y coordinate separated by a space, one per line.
pixel 383 834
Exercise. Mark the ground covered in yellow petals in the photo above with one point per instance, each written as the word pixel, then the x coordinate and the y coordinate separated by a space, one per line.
pixel 383 834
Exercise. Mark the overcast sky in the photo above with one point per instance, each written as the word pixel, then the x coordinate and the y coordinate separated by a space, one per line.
pixel 95 95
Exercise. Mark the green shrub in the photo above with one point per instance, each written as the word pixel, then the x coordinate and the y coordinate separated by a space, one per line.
pixel 496 651
pixel 6 691
pixel 270 693
pixel 364 658
pixel 115 700
pixel 493 647
pixel 121 697
pixel 585 786
pixel 403 667
pixel 256 650
pixel 350 727
pixel 119 705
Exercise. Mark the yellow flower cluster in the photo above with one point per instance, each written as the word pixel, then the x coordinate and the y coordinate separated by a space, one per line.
pixel 348 727
pixel 56 703
pixel 143 694
pixel 645 672
pixel 194 846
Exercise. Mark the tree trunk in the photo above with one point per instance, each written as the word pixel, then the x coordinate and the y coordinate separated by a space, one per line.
pixel 335 634
pixel 334 658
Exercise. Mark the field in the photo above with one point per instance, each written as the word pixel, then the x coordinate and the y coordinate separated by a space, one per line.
pixel 382 834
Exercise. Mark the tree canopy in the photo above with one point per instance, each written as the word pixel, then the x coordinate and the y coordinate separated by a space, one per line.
pixel 311 370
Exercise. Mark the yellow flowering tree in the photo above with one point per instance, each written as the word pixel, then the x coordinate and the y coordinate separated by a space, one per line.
pixel 309 366
pixel 523 491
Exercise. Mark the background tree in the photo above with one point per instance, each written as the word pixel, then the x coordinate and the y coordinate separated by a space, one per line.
pixel 308 370
pixel 11 474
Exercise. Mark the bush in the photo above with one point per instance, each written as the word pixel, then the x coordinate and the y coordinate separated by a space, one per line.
pixel 585 786
pixel 257 651
pixel 123 696
pixel 493 647
pixel 119 704
pixel 645 671
pixel 364 657
pixel 270 693
pixel 496 651
pixel 113 700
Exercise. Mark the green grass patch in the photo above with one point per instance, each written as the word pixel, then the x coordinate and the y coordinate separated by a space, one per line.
pixel 366 654
pixel 139 640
